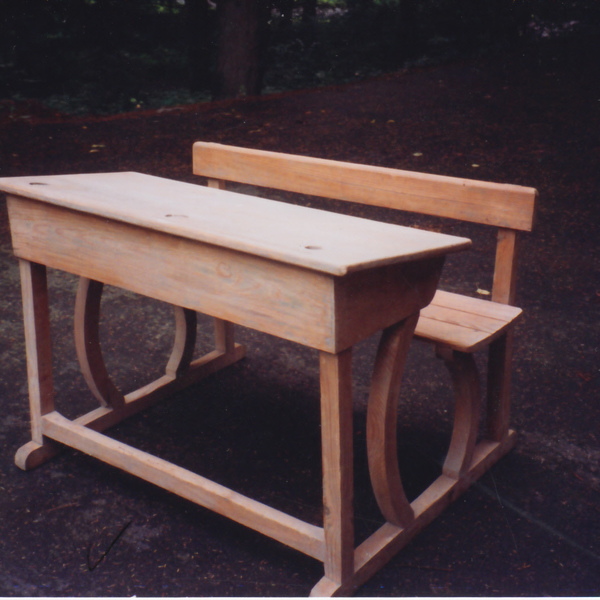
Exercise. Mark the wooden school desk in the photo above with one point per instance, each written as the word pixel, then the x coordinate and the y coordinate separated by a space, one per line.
pixel 321 279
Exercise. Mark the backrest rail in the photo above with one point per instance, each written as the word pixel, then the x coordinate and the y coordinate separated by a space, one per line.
pixel 511 208
pixel 501 205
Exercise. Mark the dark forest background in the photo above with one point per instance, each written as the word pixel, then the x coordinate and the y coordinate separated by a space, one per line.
pixel 106 56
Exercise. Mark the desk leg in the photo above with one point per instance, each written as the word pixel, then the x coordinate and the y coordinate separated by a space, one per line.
pixel 180 372
pixel 36 318
pixel 338 486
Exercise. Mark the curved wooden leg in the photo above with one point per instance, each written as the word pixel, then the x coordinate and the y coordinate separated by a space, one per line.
pixel 382 424
pixel 465 463
pixel 89 351
pixel 467 391
pixel 87 344
pixel 185 341
pixel 181 371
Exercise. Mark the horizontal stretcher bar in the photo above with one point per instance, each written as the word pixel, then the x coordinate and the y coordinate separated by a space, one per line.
pixel 289 530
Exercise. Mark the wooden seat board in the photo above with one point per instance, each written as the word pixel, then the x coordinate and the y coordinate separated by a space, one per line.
pixel 464 323
pixel 478 306
pixel 468 320
pixel 451 335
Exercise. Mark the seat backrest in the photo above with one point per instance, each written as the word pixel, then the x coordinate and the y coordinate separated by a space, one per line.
pixel 511 208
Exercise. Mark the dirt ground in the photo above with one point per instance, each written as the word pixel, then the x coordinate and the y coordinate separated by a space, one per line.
pixel 530 527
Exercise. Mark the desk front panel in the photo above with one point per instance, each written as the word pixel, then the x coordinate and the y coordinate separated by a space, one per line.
pixel 309 307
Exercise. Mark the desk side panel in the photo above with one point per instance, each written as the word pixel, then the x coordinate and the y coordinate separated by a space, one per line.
pixel 282 300
pixel 369 301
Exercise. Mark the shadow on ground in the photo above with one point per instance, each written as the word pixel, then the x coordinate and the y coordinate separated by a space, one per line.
pixel 531 526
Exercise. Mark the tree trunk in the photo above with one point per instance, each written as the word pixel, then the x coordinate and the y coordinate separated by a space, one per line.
pixel 199 43
pixel 241 46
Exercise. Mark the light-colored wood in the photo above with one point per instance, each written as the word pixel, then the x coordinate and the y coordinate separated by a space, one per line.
pixel 498 386
pixel 184 343
pixel 501 205
pixel 485 315
pixel 313 277
pixel 465 377
pixel 338 486
pixel 382 422
pixel 224 330
pixel 273 523
pixel 463 323
pixel 163 387
pixel 224 335
pixel 362 299
pixel 36 318
pixel 217 184
pixel 38 345
pixel 456 324
pixel 504 289
pixel 249 290
pixel 89 352
pixel 282 299
pixel 34 454
pixel 453 321
pixel 379 548
pixel 180 370
pixel 319 240
pixel 87 344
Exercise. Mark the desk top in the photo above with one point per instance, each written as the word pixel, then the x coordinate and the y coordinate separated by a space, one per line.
pixel 319 240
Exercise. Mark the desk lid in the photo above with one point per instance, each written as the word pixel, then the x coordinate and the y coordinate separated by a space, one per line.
pixel 316 239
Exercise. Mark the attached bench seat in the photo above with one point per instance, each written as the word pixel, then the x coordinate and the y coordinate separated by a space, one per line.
pixel 462 323
pixel 456 325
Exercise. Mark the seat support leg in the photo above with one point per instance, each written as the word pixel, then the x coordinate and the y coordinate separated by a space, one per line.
pixel 498 387
pixel 467 410
pixel 382 422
